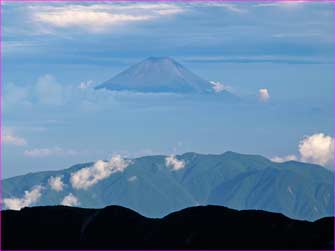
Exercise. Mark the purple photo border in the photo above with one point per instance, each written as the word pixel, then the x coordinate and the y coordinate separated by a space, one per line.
pixel 171 1
pixel 111 1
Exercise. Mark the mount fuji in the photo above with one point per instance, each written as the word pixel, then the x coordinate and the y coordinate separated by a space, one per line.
pixel 159 75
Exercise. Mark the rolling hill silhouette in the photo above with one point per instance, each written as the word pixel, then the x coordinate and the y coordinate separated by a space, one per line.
pixel 204 227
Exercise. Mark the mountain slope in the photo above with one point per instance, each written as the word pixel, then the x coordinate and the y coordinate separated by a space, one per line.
pixel 158 75
pixel 114 227
pixel 276 190
pixel 150 187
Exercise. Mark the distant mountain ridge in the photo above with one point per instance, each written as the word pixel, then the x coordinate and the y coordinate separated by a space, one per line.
pixel 159 75
pixel 239 181
pixel 204 227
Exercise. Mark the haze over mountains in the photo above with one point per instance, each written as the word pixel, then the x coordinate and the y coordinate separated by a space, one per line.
pixel 159 75
pixel 157 185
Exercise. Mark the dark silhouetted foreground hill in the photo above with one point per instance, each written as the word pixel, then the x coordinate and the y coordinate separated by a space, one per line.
pixel 203 227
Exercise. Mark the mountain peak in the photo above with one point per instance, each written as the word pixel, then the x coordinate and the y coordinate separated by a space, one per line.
pixel 157 74
pixel 160 59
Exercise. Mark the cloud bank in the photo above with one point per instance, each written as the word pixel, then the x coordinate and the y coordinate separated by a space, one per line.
pixel 29 198
pixel 99 18
pixel 89 176
pixel 174 163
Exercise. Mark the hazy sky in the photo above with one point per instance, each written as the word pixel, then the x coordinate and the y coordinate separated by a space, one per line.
pixel 54 54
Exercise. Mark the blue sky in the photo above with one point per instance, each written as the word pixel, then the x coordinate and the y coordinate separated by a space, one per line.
pixel 50 50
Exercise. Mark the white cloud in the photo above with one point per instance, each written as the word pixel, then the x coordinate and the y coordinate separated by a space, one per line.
pixel 284 158
pixel 9 138
pixel 132 178
pixel 174 163
pixel 47 152
pixel 263 95
pixel 29 198
pixel 85 84
pixel 89 176
pixel 85 18
pixel 317 148
pixel 48 91
pixel 100 17
pixel 218 87
pixel 56 183
pixel 70 200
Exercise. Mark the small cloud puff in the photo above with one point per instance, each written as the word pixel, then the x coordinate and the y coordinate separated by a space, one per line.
pixel 89 176
pixel 56 183
pixel 263 95
pixel 174 163
pixel 218 87
pixel 29 198
pixel 85 84
pixel 317 148
pixel 132 178
pixel 70 200
pixel 284 158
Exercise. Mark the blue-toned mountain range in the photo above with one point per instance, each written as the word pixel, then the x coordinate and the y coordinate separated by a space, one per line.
pixel 151 187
